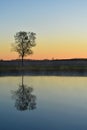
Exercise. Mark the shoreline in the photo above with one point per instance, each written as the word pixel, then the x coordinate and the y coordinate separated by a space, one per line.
pixel 45 73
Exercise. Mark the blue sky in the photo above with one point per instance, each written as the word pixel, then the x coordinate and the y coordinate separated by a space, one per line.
pixel 41 14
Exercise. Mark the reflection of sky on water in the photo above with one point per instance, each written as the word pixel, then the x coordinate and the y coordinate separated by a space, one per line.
pixel 61 104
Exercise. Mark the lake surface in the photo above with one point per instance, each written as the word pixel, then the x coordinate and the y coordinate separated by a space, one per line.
pixel 43 103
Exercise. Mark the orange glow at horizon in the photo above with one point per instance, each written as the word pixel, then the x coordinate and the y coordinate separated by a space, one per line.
pixel 50 48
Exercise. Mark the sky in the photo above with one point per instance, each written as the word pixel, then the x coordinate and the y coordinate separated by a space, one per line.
pixel 60 27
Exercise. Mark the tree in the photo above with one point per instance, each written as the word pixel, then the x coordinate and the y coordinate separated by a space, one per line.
pixel 24 41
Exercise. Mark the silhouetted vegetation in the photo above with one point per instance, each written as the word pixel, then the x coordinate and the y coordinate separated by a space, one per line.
pixel 42 67
pixel 23 43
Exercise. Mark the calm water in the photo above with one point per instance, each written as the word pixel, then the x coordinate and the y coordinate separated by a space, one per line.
pixel 43 103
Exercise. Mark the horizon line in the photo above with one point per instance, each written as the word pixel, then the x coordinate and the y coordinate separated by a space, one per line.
pixel 44 59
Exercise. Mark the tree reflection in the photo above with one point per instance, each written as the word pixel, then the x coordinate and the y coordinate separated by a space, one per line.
pixel 24 99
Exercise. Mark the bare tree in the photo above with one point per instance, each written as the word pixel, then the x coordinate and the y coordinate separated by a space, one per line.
pixel 24 41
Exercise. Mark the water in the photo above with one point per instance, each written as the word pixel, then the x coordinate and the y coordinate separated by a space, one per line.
pixel 43 103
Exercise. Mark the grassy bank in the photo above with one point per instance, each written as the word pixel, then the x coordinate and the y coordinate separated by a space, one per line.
pixel 71 66
pixel 43 68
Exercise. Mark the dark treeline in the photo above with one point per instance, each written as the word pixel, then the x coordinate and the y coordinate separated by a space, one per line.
pixel 42 66
pixel 65 62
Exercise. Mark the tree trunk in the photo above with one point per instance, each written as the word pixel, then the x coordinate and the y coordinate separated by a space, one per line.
pixel 22 62
pixel 22 66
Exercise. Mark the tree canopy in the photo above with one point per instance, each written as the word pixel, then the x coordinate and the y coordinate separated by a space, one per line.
pixel 24 41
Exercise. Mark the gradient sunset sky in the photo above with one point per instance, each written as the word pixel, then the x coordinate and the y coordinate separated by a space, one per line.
pixel 60 25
